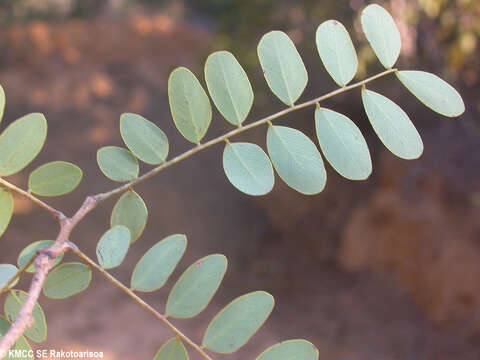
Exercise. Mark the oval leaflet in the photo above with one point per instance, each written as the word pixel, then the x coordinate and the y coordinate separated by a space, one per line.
pixel 196 287
pixel 67 280
pixel 130 210
pixel 143 138
pixel 157 264
pixel 248 168
pixel 55 178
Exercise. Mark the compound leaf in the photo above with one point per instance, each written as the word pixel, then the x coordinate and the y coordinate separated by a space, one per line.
pixel 14 302
pixel 189 104
pixel 392 125
pixel 290 350
pixel 173 349
pixel 113 246
pixel 21 142
pixel 248 168
pixel 296 159
pixel 143 138
pixel 130 211
pixel 2 102
pixel 6 209
pixel 229 86
pixel 117 164
pixel 235 324
pixel 282 66
pixel 55 178
pixel 31 250
pixel 196 287
pixel 342 144
pixel 382 34
pixel 67 280
pixel 158 263
pixel 21 345
pixel 336 51
pixel 7 271
pixel 433 92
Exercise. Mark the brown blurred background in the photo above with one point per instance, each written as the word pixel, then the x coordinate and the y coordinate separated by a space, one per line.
pixel 386 268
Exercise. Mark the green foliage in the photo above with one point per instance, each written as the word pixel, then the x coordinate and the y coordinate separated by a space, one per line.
pixel 196 287
pixel 117 164
pixel 433 92
pixel 296 159
pixel 7 272
pixel 282 66
pixel 235 324
pixel 337 52
pixel 55 178
pixel 173 349
pixel 21 142
pixel 191 110
pixel 67 280
pixel 290 350
pixel 144 139
pixel 31 250
pixel 158 263
pixel 248 168
pixel 6 209
pixel 113 246
pixel 228 86
pixel 382 34
pixel 14 302
pixel 21 345
pixel 130 211
pixel 392 125
pixel 294 155
pixel 342 144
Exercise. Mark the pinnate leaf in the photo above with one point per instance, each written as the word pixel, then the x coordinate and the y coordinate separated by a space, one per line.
pixel 382 34
pixel 14 302
pixel 296 159
pixel 336 51
pixel 392 125
pixel 67 280
pixel 248 168
pixel 290 350
pixel 173 349
pixel 158 263
pixel 6 209
pixel 196 287
pixel 228 86
pixel 282 66
pixel 235 324
pixel 113 246
pixel 143 138
pixel 117 164
pixel 342 144
pixel 433 92
pixel 130 211
pixel 21 142
pixel 55 178
pixel 189 104
pixel 31 250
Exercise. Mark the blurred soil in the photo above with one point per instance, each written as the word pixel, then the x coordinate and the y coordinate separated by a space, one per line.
pixel 383 269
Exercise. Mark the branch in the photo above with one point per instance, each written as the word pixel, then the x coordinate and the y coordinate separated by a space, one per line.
pixel 58 215
pixel 46 257
pixel 43 264
pixel 138 300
